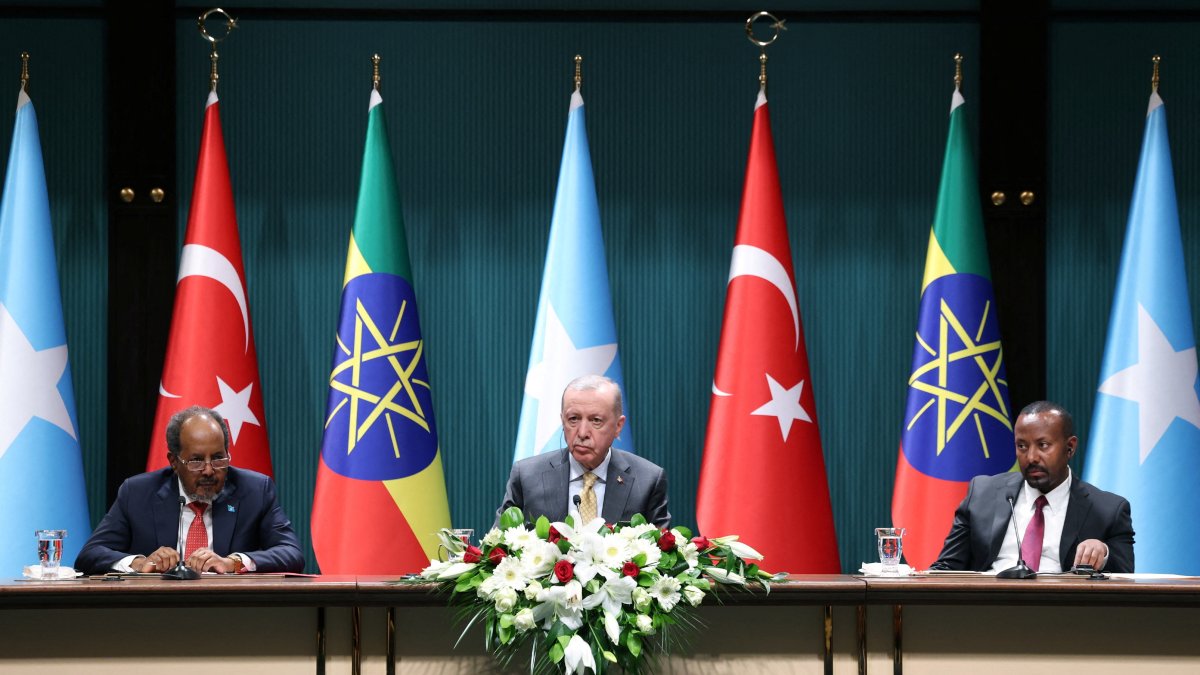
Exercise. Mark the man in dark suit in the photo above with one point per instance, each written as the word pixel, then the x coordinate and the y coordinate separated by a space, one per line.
pixel 1079 524
pixel 233 522
pixel 609 483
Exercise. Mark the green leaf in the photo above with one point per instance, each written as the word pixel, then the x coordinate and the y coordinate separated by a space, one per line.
pixel 543 527
pixel 633 642
pixel 512 517
pixel 646 578
pixel 752 571
pixel 609 656
pixel 687 534
pixel 638 519
pixel 640 560
pixel 505 632
pixel 464 582
pixel 556 652
pixel 668 560
pixel 564 546
pixel 506 620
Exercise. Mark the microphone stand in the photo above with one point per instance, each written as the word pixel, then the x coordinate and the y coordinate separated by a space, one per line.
pixel 1020 570
pixel 181 572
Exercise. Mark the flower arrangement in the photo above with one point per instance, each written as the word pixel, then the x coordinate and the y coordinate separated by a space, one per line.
pixel 582 598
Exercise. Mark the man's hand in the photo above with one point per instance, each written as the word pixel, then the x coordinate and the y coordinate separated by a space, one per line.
pixel 207 560
pixel 160 561
pixel 1091 552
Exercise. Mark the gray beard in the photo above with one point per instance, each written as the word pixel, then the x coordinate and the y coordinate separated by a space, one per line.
pixel 204 499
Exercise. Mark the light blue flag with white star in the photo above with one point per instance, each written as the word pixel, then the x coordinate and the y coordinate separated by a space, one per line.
pixel 574 333
pixel 1145 441
pixel 41 468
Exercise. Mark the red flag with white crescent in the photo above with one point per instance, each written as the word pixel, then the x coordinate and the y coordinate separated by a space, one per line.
pixel 210 352
pixel 763 475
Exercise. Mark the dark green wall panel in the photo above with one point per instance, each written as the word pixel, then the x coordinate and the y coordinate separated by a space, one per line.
pixel 1100 88
pixel 67 89
pixel 859 114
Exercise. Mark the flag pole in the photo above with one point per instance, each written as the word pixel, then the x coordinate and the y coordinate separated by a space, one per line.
pixel 375 72
pixel 958 75
pixel 25 72
pixel 578 72
pixel 230 24
pixel 777 25
pixel 1154 78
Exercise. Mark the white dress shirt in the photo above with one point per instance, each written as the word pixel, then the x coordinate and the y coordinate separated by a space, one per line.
pixel 189 516
pixel 1055 514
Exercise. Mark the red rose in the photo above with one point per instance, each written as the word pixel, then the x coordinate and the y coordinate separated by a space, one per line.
pixel 497 555
pixel 472 554
pixel 666 542
pixel 630 569
pixel 564 571
pixel 554 536
pixel 701 543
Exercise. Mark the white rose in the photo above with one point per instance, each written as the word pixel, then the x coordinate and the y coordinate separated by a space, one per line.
pixel 641 599
pixel 645 624
pixel 492 538
pixel 505 599
pixel 532 590
pixel 693 595
pixel 524 620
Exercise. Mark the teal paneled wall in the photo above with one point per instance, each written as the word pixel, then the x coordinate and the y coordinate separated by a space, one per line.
pixel 67 89
pixel 1100 87
pixel 477 112
pixel 477 135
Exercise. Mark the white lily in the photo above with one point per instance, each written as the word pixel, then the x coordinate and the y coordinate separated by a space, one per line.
pixel 578 657
pixel 435 568
pixel 455 570
pixel 719 574
pixel 569 533
pixel 563 602
pixel 613 594
pixel 738 548
pixel 612 628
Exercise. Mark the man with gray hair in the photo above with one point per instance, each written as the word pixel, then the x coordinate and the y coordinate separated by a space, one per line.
pixel 232 520
pixel 588 475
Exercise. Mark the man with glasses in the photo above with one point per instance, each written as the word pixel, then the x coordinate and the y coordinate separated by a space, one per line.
pixel 232 521
pixel 587 475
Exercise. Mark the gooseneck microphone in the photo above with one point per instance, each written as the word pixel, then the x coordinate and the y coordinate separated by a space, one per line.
pixel 1020 570
pixel 576 501
pixel 181 572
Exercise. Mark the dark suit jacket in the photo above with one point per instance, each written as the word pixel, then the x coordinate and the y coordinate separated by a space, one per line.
pixel 246 519
pixel 539 486
pixel 982 519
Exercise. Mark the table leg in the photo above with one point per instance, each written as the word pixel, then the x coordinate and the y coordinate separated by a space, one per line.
pixel 861 630
pixel 898 639
pixel 320 641
pixel 356 641
pixel 828 640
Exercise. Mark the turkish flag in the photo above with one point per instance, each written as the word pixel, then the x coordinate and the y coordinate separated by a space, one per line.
pixel 763 475
pixel 210 352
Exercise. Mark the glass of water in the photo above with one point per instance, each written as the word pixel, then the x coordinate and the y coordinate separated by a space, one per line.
pixel 464 533
pixel 891 547
pixel 50 548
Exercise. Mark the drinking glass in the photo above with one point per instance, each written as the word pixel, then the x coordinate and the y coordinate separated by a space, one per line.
pixel 891 547
pixel 50 547
pixel 464 533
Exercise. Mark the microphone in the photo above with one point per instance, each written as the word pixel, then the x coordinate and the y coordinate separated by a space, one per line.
pixel 576 501
pixel 1020 570
pixel 181 572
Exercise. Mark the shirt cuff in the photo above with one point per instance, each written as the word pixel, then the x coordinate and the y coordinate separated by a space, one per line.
pixel 123 565
pixel 248 562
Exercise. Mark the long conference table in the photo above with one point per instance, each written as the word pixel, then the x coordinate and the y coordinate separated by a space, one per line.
pixel 261 624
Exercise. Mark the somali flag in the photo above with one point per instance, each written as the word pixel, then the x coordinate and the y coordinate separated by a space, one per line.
pixel 574 333
pixel 1145 440
pixel 41 468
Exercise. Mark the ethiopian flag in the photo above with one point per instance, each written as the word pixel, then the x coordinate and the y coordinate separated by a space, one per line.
pixel 957 423
pixel 380 495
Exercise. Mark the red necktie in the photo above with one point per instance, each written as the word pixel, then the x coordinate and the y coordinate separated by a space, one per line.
pixel 198 536
pixel 1031 545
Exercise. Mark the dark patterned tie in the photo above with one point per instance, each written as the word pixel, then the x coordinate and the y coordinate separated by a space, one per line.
pixel 1031 545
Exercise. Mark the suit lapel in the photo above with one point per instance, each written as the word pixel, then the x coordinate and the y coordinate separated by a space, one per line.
pixel 555 489
pixel 618 483
pixel 224 516
pixel 166 512
pixel 1078 508
pixel 1002 518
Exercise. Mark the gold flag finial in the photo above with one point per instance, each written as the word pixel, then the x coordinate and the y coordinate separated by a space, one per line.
pixel 375 72
pixel 230 24
pixel 958 78
pixel 25 72
pixel 1154 78
pixel 578 72
pixel 777 25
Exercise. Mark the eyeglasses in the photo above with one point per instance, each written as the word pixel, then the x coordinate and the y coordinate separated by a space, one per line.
pixel 197 465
